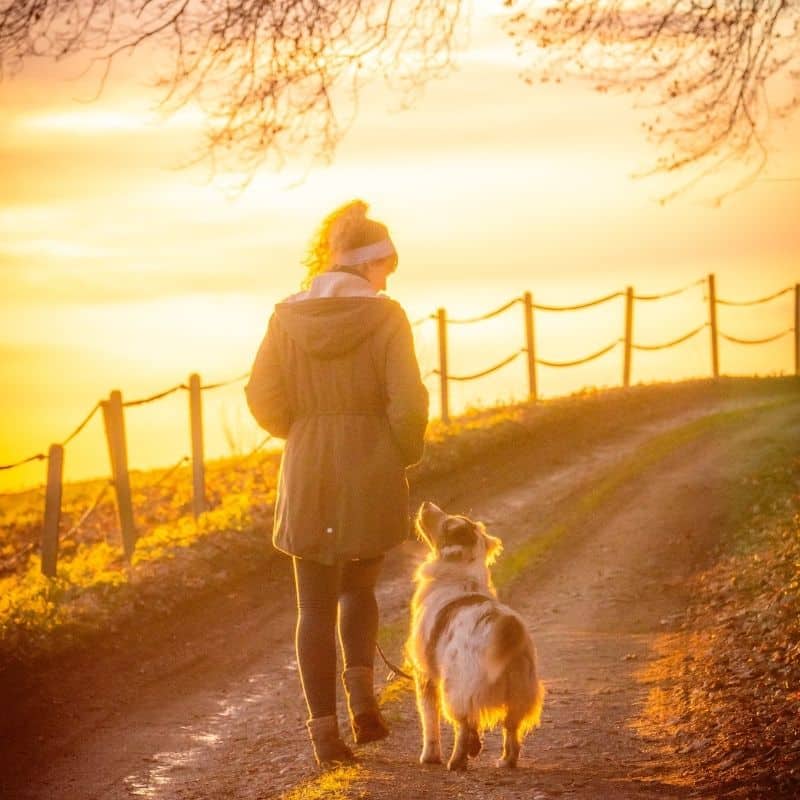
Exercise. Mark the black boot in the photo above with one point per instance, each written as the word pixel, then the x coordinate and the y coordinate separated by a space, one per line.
pixel 329 749
pixel 366 721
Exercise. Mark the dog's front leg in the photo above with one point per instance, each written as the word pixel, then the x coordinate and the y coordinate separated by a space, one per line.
pixel 428 707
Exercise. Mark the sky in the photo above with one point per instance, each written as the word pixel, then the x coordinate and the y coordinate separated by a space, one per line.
pixel 121 269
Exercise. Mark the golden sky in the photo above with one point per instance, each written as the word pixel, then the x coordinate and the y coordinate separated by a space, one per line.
pixel 122 270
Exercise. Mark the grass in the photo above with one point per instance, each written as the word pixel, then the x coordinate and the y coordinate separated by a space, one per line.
pixel 722 694
pixel 95 588
pixel 177 555
pixel 333 784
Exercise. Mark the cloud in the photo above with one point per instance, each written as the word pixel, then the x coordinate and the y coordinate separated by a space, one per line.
pixel 101 122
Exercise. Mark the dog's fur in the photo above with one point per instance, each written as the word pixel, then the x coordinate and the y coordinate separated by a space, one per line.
pixel 473 656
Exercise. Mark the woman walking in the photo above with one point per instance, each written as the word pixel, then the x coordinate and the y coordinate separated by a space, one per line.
pixel 337 377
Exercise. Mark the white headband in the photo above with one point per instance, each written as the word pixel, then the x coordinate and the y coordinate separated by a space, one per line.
pixel 361 255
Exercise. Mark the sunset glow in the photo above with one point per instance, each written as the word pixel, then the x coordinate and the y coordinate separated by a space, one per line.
pixel 124 268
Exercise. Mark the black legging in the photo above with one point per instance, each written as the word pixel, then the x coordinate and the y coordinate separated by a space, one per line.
pixel 320 589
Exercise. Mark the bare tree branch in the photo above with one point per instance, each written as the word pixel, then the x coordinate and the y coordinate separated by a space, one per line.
pixel 713 65
pixel 264 72
pixel 277 77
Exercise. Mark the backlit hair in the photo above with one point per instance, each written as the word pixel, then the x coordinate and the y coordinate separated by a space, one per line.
pixel 346 228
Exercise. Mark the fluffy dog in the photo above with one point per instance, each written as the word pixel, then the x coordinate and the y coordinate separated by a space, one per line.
pixel 473 657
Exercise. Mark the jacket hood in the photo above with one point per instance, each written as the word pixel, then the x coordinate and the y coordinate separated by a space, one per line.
pixel 327 327
pixel 336 283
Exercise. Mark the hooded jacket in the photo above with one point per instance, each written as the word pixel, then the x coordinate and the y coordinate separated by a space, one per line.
pixel 337 377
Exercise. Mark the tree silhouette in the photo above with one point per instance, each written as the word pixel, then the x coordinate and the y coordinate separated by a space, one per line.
pixel 717 71
pixel 271 76
pixel 278 76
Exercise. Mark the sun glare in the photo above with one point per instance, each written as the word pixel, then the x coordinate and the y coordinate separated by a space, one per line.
pixel 100 122
pixel 88 121
pixel 145 271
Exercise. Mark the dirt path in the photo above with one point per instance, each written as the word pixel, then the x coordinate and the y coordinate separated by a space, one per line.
pixel 217 712
pixel 599 607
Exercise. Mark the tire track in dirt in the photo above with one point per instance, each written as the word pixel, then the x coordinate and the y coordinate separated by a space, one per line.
pixel 231 725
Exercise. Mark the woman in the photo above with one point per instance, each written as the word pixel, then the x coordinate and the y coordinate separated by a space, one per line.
pixel 337 377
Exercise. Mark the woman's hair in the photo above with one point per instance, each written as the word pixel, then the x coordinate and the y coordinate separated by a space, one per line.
pixel 345 228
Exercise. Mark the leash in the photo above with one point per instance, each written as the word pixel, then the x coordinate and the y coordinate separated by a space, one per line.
pixel 395 670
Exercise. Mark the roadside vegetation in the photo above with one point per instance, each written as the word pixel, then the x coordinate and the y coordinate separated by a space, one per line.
pixel 726 691
pixel 178 559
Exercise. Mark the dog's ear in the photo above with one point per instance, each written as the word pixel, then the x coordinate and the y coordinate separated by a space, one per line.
pixel 494 546
pixel 426 512
pixel 428 509
pixel 422 534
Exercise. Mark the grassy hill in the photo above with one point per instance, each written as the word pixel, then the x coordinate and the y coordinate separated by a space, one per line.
pixel 178 558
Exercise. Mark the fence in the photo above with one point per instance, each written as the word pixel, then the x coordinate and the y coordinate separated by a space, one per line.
pixel 114 420
pixel 529 307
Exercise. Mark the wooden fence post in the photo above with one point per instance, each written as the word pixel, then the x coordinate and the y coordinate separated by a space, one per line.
pixel 198 465
pixel 530 345
pixel 712 321
pixel 797 329
pixel 441 317
pixel 626 366
pixel 118 453
pixel 52 510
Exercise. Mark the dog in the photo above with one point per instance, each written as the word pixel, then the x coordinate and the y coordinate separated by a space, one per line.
pixel 473 657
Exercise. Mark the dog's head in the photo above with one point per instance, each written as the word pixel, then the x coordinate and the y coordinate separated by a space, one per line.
pixel 453 537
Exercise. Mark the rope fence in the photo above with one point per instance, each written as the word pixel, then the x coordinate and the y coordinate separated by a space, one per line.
pixel 679 340
pixel 757 302
pixel 483 317
pixel 258 447
pixel 154 397
pixel 578 361
pixel 171 471
pixel 629 345
pixel 488 371
pixel 579 306
pixel 81 426
pixel 765 340
pixel 113 407
pixel 37 457
pixel 88 513
pixel 223 383
pixel 42 456
pixel 673 293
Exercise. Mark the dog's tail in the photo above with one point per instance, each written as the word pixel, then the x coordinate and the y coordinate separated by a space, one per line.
pixel 511 652
pixel 509 638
